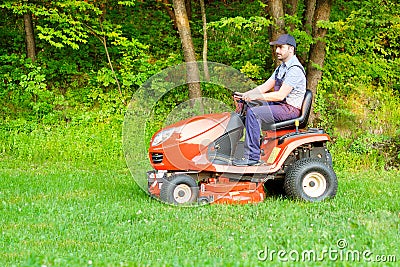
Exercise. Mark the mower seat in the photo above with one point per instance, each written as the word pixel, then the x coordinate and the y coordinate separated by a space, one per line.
pixel 303 119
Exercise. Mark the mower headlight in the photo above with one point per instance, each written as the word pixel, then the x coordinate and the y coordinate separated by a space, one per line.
pixel 162 136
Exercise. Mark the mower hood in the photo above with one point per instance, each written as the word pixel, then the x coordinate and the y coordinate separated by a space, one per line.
pixel 176 145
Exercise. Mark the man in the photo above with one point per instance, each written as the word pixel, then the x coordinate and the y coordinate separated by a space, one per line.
pixel 281 95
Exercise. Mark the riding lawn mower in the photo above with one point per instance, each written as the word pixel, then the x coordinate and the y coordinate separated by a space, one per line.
pixel 192 160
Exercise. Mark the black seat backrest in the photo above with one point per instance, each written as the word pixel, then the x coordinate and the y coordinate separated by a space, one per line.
pixel 303 119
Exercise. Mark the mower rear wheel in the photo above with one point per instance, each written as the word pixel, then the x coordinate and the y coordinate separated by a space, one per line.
pixel 311 179
pixel 180 190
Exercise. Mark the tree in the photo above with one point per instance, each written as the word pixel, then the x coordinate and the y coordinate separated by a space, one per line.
pixel 317 50
pixel 29 37
pixel 23 10
pixel 205 42
pixel 182 22
pixel 275 9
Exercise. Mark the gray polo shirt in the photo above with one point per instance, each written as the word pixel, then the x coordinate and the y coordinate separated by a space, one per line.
pixel 293 76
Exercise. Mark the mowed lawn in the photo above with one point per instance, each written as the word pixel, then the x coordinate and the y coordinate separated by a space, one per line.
pixel 60 213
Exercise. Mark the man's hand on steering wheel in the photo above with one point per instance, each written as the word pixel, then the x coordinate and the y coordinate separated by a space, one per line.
pixel 249 98
pixel 245 96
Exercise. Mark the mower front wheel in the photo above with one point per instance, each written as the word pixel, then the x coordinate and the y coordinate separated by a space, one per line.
pixel 311 179
pixel 180 190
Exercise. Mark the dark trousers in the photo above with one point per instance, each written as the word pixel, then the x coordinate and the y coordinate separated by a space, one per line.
pixel 269 112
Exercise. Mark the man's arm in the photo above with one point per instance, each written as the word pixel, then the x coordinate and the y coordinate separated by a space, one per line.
pixel 276 96
pixel 265 87
pixel 257 92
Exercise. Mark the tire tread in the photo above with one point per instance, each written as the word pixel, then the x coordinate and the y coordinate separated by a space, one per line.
pixel 293 179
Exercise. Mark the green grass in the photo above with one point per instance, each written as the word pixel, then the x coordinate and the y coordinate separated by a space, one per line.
pixel 83 208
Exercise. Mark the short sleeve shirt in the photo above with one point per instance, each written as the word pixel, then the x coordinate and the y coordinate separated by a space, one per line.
pixel 293 74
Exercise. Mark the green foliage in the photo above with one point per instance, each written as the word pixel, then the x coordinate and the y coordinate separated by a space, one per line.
pixel 34 84
pixel 246 43
pixel 73 20
pixel 135 64
pixel 25 87
pixel 364 47
pixel 61 83
pixel 378 152
pixel 358 96
pixel 251 70
pixel 152 26
pixel 303 39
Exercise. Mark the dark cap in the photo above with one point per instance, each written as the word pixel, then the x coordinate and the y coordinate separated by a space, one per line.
pixel 284 39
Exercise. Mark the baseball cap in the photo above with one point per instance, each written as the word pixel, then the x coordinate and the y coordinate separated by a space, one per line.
pixel 284 39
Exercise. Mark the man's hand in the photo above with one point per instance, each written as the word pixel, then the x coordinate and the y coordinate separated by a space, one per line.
pixel 247 96
pixel 244 96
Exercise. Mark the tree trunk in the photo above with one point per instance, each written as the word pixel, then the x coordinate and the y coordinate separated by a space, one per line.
pixel 275 10
pixel 309 15
pixel 290 7
pixel 317 50
pixel 29 37
pixel 182 22
pixel 204 18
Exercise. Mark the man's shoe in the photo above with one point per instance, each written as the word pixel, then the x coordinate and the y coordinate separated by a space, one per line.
pixel 245 162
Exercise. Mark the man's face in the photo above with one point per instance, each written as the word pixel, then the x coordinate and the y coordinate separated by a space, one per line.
pixel 283 52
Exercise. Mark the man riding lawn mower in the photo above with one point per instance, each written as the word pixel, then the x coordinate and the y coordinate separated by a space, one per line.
pixel 203 160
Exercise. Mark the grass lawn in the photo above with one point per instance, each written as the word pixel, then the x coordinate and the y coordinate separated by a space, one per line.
pixel 58 212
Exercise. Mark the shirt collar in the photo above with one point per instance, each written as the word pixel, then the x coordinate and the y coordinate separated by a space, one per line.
pixel 291 61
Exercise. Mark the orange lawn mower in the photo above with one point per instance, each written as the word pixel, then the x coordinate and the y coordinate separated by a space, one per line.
pixel 192 160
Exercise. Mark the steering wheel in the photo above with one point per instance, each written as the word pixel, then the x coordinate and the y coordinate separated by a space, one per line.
pixel 241 105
